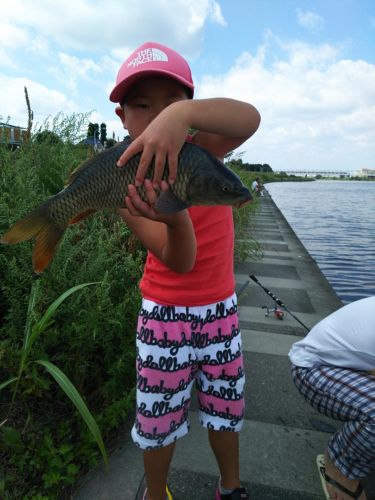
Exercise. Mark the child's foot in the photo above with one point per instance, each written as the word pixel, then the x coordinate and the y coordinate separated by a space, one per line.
pixel 236 494
pixel 168 495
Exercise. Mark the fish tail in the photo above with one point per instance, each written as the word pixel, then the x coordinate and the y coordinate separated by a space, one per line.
pixel 36 225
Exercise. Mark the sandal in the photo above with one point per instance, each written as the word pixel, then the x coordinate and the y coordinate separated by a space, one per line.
pixel 167 492
pixel 237 494
pixel 324 478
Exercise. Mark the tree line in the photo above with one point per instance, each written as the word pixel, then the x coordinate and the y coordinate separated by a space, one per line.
pixel 249 167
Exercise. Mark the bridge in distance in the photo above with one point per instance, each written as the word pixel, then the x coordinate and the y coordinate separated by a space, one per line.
pixel 314 173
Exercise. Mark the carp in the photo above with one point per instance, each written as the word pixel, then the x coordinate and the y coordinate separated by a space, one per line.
pixel 98 184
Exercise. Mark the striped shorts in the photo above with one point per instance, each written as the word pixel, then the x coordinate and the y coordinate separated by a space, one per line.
pixel 349 396
pixel 180 346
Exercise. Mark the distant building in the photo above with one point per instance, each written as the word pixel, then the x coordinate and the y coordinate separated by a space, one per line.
pixel 95 143
pixel 12 135
pixel 365 172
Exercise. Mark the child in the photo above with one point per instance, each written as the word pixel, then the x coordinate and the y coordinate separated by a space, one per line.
pixel 188 325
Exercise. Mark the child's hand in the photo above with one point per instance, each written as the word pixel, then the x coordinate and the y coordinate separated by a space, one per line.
pixel 162 140
pixel 138 207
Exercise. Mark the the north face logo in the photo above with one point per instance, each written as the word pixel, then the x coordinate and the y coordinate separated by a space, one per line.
pixel 148 55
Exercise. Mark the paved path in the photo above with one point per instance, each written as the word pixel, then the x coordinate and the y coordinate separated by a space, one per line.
pixel 282 434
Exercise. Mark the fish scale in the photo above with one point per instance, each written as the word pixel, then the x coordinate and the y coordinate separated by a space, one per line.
pixel 98 184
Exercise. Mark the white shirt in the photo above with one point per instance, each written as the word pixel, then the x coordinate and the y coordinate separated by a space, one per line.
pixel 345 338
pixel 254 185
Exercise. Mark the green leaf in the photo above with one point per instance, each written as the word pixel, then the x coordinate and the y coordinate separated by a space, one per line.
pixel 77 400
pixel 4 384
pixel 30 310
pixel 46 320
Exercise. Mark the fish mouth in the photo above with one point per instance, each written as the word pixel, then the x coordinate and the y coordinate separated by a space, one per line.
pixel 244 203
pixel 247 198
pixel 241 204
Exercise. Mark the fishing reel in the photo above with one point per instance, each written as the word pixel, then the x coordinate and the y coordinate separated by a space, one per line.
pixel 279 313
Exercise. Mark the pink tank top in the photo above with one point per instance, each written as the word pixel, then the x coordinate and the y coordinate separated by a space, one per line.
pixel 211 279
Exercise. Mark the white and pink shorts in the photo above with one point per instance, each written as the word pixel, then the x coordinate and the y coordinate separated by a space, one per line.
pixel 177 346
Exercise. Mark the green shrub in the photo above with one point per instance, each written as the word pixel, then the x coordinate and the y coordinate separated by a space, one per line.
pixel 44 444
pixel 245 245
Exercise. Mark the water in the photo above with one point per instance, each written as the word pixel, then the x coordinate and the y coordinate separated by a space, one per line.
pixel 335 220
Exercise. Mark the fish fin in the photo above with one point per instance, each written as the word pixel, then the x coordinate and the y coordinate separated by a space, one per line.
pixel 120 147
pixel 45 246
pixel 81 216
pixel 77 171
pixel 36 225
pixel 168 202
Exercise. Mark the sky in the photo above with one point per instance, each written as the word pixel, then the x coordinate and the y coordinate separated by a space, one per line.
pixel 307 65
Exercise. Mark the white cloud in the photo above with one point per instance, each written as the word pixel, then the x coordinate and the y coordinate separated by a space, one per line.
pixel 44 101
pixel 12 36
pixel 51 32
pixel 309 20
pixel 199 12
pixel 71 69
pixel 109 24
pixel 303 56
pixel 6 60
pixel 39 46
pixel 111 29
pixel 216 14
pixel 313 105
pixel 80 67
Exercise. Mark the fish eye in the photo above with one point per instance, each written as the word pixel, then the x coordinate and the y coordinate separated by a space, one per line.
pixel 225 188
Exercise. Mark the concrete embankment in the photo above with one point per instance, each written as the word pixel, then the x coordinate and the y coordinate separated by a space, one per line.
pixel 282 434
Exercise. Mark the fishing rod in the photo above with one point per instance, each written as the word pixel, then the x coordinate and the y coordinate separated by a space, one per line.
pixel 278 301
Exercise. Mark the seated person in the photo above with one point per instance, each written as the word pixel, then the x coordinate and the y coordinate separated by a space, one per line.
pixel 257 187
pixel 333 368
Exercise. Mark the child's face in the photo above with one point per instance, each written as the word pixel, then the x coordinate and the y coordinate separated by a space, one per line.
pixel 146 100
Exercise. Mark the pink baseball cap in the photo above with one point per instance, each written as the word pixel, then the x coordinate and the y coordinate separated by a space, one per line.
pixel 151 59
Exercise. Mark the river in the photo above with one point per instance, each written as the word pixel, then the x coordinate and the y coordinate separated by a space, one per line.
pixel 335 220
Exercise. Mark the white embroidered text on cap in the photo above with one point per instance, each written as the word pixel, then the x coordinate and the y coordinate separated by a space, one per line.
pixel 148 55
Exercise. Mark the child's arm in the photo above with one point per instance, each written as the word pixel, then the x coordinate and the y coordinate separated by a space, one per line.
pixel 170 237
pixel 223 124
